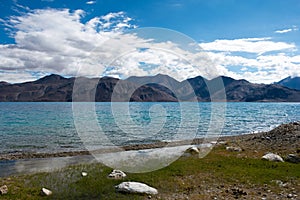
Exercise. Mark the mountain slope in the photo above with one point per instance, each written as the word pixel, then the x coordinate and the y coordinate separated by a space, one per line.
pixel 293 83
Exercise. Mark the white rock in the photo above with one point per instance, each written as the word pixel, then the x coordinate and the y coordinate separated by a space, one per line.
pixel 136 187
pixel 117 174
pixel 193 150
pixel 272 157
pixel 84 174
pixel 46 192
pixel 222 142
pixel 3 189
pixel 238 149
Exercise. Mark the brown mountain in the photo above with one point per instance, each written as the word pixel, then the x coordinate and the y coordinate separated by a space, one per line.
pixel 148 88
pixel 60 89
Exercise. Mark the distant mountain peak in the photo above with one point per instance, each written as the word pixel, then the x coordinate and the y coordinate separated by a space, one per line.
pixel 4 83
pixel 50 78
pixel 290 82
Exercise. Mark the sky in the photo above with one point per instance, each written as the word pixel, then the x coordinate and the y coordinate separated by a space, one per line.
pixel 245 39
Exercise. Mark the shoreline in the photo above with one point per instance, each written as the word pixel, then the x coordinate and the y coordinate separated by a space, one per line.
pixel 228 174
pixel 246 140
pixel 29 155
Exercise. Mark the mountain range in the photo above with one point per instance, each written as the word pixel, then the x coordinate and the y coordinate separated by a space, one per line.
pixel 160 88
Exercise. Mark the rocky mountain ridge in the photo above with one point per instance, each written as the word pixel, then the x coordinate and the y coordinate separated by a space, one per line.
pixel 159 88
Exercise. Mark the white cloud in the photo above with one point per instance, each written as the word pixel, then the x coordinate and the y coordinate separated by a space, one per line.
pixel 284 30
pixel 53 41
pixel 17 76
pixel 295 28
pixel 260 69
pixel 56 41
pixel 259 60
pixel 249 45
pixel 90 2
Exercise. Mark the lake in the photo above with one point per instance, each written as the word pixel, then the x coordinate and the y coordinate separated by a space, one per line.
pixel 45 127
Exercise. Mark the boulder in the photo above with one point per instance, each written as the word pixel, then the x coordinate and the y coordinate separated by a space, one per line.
pixel 46 192
pixel 272 157
pixel 230 148
pixel 136 187
pixel 3 189
pixel 293 158
pixel 117 174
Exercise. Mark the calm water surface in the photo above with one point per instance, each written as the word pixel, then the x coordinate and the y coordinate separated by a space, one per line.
pixel 50 127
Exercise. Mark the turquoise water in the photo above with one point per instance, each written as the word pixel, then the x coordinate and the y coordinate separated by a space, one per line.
pixel 53 127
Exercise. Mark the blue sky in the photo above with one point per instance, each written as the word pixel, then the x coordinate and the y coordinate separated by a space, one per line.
pixel 251 39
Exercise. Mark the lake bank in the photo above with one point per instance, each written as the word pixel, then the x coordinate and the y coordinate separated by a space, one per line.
pixel 222 174
pixel 283 140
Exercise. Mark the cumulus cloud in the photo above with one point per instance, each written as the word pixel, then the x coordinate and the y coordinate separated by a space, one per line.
pixel 249 45
pixel 259 69
pixel 57 41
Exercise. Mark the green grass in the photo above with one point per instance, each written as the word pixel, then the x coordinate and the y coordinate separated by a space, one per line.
pixel 184 175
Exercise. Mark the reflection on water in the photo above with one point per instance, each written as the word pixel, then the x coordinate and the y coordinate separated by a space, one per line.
pixel 28 166
pixel 136 161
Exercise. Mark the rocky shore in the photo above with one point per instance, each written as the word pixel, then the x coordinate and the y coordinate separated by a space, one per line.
pixel 284 139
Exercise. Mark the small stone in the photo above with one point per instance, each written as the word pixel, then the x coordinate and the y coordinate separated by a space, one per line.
pixel 3 189
pixel 272 157
pixel 83 174
pixel 46 192
pixel 293 158
pixel 136 187
pixel 117 174
pixel 222 142
pixel 289 196
pixel 192 150
pixel 238 149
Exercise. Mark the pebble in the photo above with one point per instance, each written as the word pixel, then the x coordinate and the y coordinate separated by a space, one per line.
pixel 238 149
pixel 293 158
pixel 117 174
pixel 3 189
pixel 193 150
pixel 46 192
pixel 84 174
